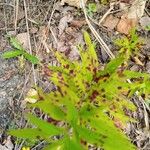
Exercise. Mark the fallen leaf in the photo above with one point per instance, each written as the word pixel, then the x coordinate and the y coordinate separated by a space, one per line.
pixel 111 22
pixel 131 16
pixel 77 23
pixel 32 96
pixel 75 3
pixel 61 47
pixel 23 39
pixel 126 24
pixel 138 62
pixel 74 54
pixel 137 9
pixel 63 23
pixel 68 42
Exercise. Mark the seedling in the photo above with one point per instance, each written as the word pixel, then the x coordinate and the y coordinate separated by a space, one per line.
pixel 91 9
pixel 147 28
pixel 19 51
pixel 130 44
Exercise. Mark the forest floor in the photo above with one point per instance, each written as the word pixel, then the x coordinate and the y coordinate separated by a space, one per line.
pixel 43 25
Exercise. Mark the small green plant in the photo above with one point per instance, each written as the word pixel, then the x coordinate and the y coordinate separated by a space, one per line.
pixel 19 51
pixel 88 101
pixel 91 9
pixel 147 28
pixel 104 2
pixel 129 44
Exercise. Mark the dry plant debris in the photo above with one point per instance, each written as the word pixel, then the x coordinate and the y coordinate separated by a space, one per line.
pixel 131 16
pixel 132 11
pixel 23 39
pixel 7 144
pixel 76 3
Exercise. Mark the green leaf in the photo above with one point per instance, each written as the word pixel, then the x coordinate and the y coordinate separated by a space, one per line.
pixel 134 74
pixel 44 126
pixel 113 65
pixel 87 39
pixel 12 54
pixel 52 110
pixel 70 144
pixel 33 59
pixel 54 146
pixel 28 133
pixel 104 125
pixel 15 43
pixel 92 7
pixel 90 136
pixel 72 114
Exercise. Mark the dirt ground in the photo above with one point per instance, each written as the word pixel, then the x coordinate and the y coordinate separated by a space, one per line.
pixel 43 25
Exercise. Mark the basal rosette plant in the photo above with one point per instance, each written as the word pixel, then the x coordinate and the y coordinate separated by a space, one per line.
pixel 88 101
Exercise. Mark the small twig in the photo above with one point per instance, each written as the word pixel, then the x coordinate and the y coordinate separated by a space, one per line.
pixel 34 148
pixel 147 12
pixel 107 13
pixel 24 86
pixel 52 13
pixel 53 34
pixel 27 26
pixel 5 19
pixel 49 22
pixel 97 36
pixel 16 14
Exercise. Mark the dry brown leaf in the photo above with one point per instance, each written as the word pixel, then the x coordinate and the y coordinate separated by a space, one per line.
pixel 75 3
pixel 77 23
pixel 61 47
pixel 126 24
pixel 111 22
pixel 131 17
pixel 74 54
pixel 23 39
pixel 63 23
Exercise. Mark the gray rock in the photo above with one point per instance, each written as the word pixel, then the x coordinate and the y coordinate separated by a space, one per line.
pixel 9 81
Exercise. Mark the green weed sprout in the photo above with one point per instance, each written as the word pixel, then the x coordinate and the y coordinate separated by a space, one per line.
pixel 19 51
